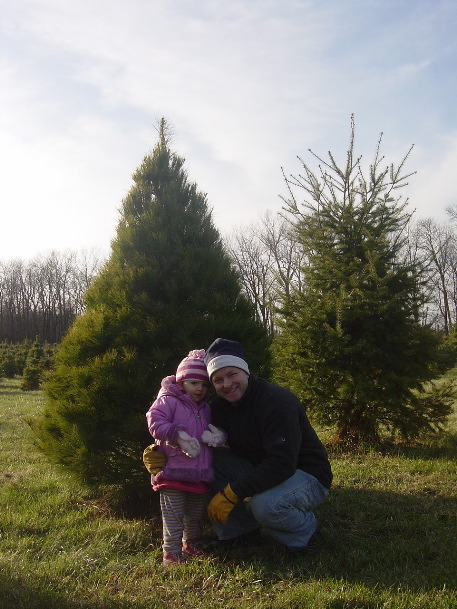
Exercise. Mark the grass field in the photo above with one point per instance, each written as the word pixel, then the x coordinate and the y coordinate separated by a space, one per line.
pixel 388 541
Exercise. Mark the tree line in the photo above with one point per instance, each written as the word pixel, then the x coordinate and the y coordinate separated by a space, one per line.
pixel 271 263
pixel 43 296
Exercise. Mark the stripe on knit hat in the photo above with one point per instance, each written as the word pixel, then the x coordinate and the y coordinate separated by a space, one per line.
pixel 192 367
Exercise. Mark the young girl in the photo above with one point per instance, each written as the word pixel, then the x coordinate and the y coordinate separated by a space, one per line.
pixel 178 420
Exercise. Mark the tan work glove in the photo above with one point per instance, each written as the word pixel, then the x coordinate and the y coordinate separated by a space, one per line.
pixel 153 459
pixel 221 505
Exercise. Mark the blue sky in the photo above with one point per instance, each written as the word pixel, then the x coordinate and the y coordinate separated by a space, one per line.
pixel 247 85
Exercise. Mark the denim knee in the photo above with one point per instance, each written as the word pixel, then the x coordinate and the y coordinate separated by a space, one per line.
pixel 261 509
pixel 302 492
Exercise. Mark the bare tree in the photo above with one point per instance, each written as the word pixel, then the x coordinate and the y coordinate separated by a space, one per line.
pixel 41 297
pixel 278 236
pixel 269 262
pixel 437 246
pixel 252 261
pixel 452 212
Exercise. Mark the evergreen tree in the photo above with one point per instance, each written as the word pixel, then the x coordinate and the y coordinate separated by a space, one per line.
pixel 7 361
pixel 351 345
pixel 21 352
pixel 34 367
pixel 168 287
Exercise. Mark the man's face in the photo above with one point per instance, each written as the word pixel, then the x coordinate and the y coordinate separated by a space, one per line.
pixel 230 383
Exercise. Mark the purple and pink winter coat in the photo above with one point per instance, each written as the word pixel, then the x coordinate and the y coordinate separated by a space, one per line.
pixel 175 411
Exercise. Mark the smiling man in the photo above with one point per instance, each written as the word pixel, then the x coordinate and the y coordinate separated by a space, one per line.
pixel 274 470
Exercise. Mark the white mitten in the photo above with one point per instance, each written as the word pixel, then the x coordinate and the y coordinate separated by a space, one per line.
pixel 190 446
pixel 213 436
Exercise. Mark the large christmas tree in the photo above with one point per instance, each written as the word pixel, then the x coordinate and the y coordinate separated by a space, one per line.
pixel 167 287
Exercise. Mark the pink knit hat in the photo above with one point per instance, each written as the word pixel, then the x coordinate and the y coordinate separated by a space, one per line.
pixel 192 367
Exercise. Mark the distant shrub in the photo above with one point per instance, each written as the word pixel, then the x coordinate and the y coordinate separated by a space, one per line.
pixel 447 351
pixel 26 359
pixel 38 360
pixel 8 365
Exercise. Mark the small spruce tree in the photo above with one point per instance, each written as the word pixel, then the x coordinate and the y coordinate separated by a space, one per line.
pixel 21 351
pixel 351 345
pixel 8 362
pixel 34 367
pixel 167 287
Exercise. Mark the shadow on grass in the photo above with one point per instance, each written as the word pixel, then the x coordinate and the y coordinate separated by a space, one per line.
pixel 443 447
pixel 15 593
pixel 18 594
pixel 447 449
pixel 376 538
pixel 13 392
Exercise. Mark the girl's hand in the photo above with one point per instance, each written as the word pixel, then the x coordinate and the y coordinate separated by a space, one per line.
pixel 213 436
pixel 190 446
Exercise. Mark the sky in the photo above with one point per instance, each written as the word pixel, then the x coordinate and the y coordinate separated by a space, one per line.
pixel 248 88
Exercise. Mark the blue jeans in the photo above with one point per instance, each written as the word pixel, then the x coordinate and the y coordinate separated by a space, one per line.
pixel 284 511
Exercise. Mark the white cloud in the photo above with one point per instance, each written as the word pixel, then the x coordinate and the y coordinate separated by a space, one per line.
pixel 435 186
pixel 248 85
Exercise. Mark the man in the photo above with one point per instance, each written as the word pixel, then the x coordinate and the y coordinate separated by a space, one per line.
pixel 275 470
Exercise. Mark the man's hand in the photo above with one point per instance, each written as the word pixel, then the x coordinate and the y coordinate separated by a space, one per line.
pixel 221 505
pixel 153 459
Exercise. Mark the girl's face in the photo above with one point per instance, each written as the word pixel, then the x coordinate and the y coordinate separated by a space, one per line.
pixel 196 389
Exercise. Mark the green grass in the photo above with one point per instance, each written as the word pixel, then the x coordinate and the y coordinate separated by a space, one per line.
pixel 388 539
